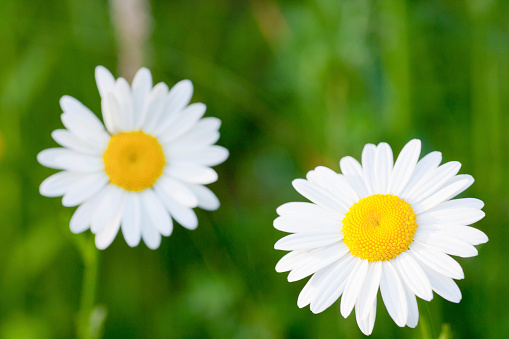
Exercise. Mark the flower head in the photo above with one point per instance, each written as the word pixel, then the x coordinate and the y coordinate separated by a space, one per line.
pixel 380 225
pixel 148 166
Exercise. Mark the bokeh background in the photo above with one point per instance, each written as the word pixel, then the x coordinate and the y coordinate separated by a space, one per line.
pixel 297 84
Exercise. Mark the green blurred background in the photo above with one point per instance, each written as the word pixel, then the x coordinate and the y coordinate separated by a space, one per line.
pixel 297 84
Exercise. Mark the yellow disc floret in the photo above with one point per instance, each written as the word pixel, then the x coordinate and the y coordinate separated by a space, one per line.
pixel 133 160
pixel 379 227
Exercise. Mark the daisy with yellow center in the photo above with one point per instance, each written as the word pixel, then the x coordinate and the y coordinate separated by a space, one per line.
pixel 147 167
pixel 380 225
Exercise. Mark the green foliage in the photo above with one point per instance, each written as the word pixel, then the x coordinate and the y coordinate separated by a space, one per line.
pixel 297 84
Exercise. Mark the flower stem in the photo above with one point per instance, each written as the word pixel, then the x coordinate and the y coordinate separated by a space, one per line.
pixel 90 256
pixel 426 323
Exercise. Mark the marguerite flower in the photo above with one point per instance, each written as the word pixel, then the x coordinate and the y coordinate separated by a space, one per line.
pixel 148 166
pixel 380 225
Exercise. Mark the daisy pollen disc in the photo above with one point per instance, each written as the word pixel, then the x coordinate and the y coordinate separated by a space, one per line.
pixel 134 160
pixel 379 227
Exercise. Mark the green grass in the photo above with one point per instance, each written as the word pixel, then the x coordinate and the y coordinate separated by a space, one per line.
pixel 297 84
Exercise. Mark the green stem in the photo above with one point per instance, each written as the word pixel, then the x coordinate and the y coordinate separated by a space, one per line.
pixel 426 323
pixel 90 256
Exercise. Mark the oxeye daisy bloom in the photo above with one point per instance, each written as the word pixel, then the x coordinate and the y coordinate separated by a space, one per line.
pixel 149 164
pixel 380 225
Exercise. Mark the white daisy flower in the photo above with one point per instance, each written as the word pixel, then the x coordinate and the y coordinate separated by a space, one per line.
pixel 380 225
pixel 148 166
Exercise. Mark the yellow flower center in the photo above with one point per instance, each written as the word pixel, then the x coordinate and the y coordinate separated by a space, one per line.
pixel 134 160
pixel 379 227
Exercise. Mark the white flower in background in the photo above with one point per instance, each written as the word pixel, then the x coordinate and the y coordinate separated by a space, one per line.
pixel 380 225
pixel 148 166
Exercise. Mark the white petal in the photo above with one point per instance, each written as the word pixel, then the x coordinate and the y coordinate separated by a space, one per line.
pixel 413 310
pixel 82 217
pixel 290 260
pixel 318 195
pixel 210 156
pixel 404 167
pixel 444 194
pixel 204 133
pixel 446 243
pixel 131 219
pixel 413 276
pixel 104 79
pixel 438 261
pixel 466 179
pixel 324 182
pixel 337 185
pixel 183 215
pixel 142 84
pixel 459 203
pixel 111 113
pixel 149 233
pixel 83 189
pixel 156 212
pixel 352 171
pixel 457 216
pixel 301 241
pixel 366 324
pixel 109 232
pixel 317 259
pixel 393 294
pixel 466 233
pixel 178 98
pixel 190 173
pixel 439 176
pixel 333 283
pixel 353 287
pixel 423 170
pixel 189 117
pixel 206 198
pixel 59 183
pixel 369 291
pixel 304 208
pixel 443 286
pixel 154 107
pixel 108 207
pixel 368 167
pixel 68 140
pixel 177 191
pixel 124 99
pixel 64 159
pixel 318 223
pixel 383 167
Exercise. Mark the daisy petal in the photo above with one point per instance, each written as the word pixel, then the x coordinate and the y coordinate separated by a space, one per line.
pixel 404 167
pixel 183 215
pixel 154 108
pixel 437 261
pixel 353 287
pixel 290 260
pixel 177 191
pixel 108 207
pixel 315 223
pixel 82 217
pixel 421 174
pixel 447 243
pixel 317 259
pixel 150 235
pixel 210 156
pixel 383 167
pixel 468 234
pixel 301 241
pixel 352 171
pixel 443 286
pixel 191 173
pixel 333 284
pixel 317 195
pixel 177 99
pixel 84 188
pixel 141 87
pixel 109 232
pixel 337 185
pixel 413 310
pixel 156 212
pixel 459 216
pixel 393 294
pixel 366 324
pixel 111 113
pixel 189 117
pixel 58 184
pixel 207 200
pixel 63 159
pixel 413 276
pixel 68 140
pixel 368 166
pixel 302 209
pixel 369 290
pixel 444 194
pixel 105 80
pixel 131 219
pixel 317 178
